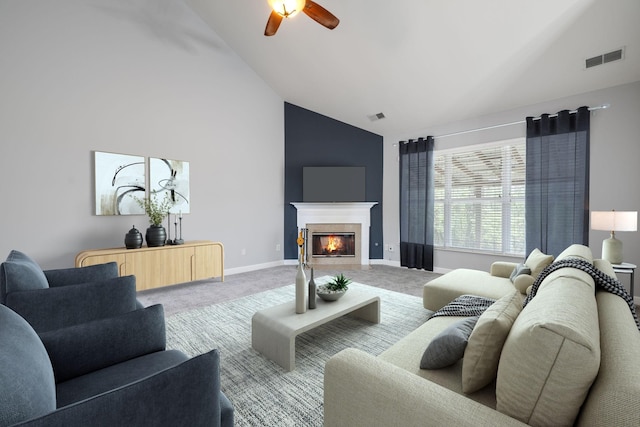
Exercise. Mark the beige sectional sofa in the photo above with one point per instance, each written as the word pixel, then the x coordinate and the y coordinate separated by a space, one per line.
pixel 571 356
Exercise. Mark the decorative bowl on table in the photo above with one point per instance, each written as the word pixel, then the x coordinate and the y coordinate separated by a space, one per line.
pixel 328 294
pixel 334 290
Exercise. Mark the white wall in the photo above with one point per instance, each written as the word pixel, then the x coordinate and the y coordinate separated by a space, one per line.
pixel 142 77
pixel 615 164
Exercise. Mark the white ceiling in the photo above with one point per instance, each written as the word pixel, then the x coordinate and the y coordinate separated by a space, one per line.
pixel 428 62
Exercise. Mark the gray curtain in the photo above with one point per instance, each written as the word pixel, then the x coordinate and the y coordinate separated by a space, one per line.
pixel 557 181
pixel 416 203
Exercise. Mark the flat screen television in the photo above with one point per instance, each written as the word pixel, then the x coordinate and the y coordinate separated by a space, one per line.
pixel 333 184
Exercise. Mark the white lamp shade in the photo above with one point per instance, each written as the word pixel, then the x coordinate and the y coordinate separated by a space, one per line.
pixel 614 220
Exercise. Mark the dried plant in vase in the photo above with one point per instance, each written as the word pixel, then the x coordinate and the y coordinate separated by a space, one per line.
pixel 157 211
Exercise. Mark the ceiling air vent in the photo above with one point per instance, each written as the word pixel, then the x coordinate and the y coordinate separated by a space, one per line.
pixel 377 116
pixel 616 55
pixel 604 58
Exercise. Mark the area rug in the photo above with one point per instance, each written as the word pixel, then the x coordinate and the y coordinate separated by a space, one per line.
pixel 262 393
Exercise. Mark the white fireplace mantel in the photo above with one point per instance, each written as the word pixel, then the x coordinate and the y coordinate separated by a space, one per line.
pixel 338 213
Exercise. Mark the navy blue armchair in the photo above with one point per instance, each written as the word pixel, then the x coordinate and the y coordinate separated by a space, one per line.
pixel 81 351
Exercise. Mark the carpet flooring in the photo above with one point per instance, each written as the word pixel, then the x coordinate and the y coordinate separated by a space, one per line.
pixel 263 393
pixel 203 293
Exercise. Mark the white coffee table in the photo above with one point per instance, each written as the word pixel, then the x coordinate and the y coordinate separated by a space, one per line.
pixel 274 329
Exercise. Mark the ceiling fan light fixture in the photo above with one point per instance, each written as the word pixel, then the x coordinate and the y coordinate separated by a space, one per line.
pixel 287 8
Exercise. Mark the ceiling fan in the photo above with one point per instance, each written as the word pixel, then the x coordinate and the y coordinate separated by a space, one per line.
pixel 289 8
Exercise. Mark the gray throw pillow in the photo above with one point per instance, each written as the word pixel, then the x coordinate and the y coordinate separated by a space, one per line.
pixel 449 345
pixel 520 269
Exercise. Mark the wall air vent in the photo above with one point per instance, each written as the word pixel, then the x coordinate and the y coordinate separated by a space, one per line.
pixel 605 58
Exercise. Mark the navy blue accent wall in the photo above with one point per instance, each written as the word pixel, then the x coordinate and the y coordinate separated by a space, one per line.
pixel 312 139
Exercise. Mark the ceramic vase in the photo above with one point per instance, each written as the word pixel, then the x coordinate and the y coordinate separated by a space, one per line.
pixel 301 290
pixel 133 239
pixel 156 236
pixel 312 292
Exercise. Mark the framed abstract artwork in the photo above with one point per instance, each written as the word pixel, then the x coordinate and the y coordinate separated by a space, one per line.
pixel 170 177
pixel 119 178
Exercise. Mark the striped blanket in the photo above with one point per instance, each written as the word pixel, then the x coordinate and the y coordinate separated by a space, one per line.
pixel 465 305
pixel 602 280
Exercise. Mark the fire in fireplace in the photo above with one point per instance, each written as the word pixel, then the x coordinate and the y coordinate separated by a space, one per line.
pixel 333 245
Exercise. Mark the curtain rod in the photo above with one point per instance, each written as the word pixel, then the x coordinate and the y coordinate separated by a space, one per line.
pixel 599 107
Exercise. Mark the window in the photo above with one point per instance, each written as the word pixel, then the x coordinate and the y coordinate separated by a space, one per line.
pixel 479 198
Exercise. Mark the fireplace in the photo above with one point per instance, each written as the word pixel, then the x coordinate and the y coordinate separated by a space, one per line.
pixel 344 218
pixel 333 245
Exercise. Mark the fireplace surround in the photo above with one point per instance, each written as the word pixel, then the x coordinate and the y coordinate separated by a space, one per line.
pixel 344 217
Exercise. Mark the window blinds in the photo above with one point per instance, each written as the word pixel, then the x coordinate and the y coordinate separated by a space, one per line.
pixel 479 197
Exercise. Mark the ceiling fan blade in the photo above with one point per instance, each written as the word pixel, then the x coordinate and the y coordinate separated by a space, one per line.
pixel 273 23
pixel 321 15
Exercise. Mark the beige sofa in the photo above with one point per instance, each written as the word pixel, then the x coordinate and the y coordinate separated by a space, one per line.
pixel 570 357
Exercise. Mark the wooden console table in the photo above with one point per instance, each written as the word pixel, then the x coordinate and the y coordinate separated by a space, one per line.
pixel 163 265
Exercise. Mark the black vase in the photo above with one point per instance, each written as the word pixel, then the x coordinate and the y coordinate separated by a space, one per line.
pixel 156 236
pixel 133 239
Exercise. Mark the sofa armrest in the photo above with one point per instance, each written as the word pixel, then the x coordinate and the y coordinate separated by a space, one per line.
pixel 187 394
pixel 73 276
pixel 362 390
pixel 502 268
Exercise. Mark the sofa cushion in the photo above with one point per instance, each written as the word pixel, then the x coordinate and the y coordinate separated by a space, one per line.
pixel 577 251
pixel 482 354
pixel 448 346
pixel 75 275
pixel 87 347
pixel 552 353
pixel 407 352
pixel 115 376
pixel 463 281
pixel 20 273
pixel 538 261
pixel 613 397
pixel 63 306
pixel 27 387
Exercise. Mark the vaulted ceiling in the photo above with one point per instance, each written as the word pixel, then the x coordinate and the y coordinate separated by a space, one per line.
pixel 427 62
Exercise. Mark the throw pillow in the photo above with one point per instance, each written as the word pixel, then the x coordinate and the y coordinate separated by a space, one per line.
pixel 552 356
pixel 448 346
pixel 538 261
pixel 520 269
pixel 20 273
pixel 481 357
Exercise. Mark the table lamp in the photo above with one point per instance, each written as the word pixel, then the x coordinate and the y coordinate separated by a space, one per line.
pixel 613 221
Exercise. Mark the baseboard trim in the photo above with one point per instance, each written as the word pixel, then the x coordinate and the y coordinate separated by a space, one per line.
pixel 388 262
pixel 254 267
